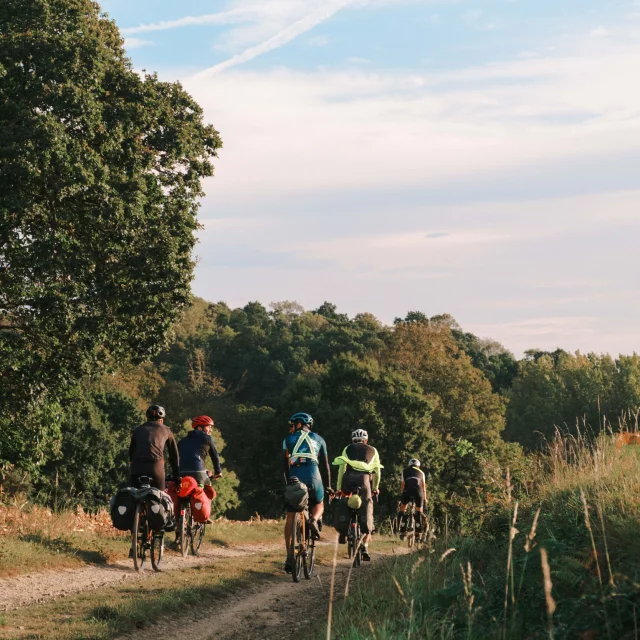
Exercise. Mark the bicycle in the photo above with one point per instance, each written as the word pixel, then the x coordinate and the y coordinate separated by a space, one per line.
pixel 303 547
pixel 190 532
pixel 410 533
pixel 143 539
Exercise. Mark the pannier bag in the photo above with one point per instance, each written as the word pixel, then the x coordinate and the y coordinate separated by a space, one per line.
pixel 341 516
pixel 122 507
pixel 172 490
pixel 200 505
pixel 188 486
pixel 159 508
pixel 210 492
pixel 296 494
pixel 354 501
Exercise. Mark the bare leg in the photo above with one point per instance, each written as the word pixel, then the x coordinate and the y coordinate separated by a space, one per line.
pixel 288 530
pixel 317 510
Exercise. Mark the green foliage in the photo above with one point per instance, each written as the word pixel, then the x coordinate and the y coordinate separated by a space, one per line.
pixel 100 172
pixel 571 392
pixel 93 458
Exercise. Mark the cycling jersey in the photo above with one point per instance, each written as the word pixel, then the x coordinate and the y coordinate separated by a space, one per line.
pixel 194 449
pixel 146 453
pixel 361 458
pixel 304 452
pixel 414 483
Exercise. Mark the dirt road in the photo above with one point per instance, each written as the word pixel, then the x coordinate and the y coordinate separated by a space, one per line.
pixel 52 585
pixel 277 610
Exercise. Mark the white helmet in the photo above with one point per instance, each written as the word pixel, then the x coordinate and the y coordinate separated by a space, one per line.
pixel 359 435
pixel 414 462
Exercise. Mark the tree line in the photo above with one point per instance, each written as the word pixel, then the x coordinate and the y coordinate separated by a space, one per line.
pixel 422 388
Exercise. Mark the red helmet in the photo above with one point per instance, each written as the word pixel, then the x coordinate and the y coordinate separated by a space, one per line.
pixel 201 421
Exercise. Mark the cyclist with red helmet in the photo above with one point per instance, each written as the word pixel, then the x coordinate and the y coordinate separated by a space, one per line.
pixel 194 449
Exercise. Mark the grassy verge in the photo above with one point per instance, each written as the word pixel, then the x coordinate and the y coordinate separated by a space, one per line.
pixel 36 539
pixel 493 585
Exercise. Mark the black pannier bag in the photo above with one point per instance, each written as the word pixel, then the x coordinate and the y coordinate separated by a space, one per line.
pixel 159 508
pixel 122 507
pixel 341 516
pixel 296 494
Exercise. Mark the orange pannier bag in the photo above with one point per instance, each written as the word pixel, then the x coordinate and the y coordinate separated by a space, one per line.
pixel 210 492
pixel 200 505
pixel 188 486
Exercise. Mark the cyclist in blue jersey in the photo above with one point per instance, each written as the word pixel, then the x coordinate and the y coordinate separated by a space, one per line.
pixel 304 453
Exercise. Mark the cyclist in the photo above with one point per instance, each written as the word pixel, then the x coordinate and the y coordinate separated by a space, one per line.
pixel 146 451
pixel 194 449
pixel 303 454
pixel 413 488
pixel 359 470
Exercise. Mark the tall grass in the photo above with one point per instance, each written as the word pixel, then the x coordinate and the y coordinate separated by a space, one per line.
pixel 579 518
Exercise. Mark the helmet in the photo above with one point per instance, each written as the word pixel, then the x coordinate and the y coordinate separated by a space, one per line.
pixel 156 412
pixel 359 435
pixel 305 418
pixel 201 421
pixel 414 462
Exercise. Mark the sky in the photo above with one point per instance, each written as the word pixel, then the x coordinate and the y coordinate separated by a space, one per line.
pixel 473 157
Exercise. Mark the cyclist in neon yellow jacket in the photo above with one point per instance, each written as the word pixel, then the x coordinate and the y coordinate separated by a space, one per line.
pixel 359 471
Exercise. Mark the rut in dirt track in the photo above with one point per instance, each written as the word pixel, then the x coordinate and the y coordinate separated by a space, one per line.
pixel 52 585
pixel 275 610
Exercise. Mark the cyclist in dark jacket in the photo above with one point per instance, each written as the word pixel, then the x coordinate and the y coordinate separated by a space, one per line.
pixel 146 451
pixel 194 450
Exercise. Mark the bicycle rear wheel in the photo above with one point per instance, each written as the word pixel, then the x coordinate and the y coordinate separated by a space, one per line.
pixel 183 529
pixel 157 550
pixel 309 556
pixel 357 555
pixel 139 537
pixel 298 546
pixel 196 537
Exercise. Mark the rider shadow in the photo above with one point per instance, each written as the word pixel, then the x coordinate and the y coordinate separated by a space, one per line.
pixel 60 545
pixel 218 542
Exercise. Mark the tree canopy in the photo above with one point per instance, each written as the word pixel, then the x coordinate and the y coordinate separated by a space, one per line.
pixel 100 175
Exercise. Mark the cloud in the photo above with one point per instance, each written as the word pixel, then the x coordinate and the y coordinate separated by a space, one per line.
pixel 599 32
pixel 318 41
pixel 285 35
pixel 136 43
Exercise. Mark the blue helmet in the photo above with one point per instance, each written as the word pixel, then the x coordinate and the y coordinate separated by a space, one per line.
pixel 305 418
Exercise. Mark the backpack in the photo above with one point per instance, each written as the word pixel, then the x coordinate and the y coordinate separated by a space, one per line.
pixel 296 494
pixel 159 508
pixel 122 507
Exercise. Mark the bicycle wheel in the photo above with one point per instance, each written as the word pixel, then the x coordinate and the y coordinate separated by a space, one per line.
pixel 298 546
pixel 357 554
pixel 183 529
pixel 139 537
pixel 411 533
pixel 309 556
pixel 157 550
pixel 196 537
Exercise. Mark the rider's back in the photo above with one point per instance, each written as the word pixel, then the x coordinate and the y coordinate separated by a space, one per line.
pixel 148 441
pixel 194 449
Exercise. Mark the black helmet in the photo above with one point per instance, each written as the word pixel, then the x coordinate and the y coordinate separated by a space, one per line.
pixel 156 412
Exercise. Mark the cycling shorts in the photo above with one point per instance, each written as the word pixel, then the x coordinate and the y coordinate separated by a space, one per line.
pixel 309 474
pixel 413 492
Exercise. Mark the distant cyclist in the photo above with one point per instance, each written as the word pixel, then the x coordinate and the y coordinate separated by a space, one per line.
pixel 146 451
pixel 413 488
pixel 359 470
pixel 304 453
pixel 194 450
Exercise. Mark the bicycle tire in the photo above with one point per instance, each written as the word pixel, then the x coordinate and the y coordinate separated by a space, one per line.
pixel 139 542
pixel 357 555
pixel 183 532
pixel 309 556
pixel 298 533
pixel 196 538
pixel 157 550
